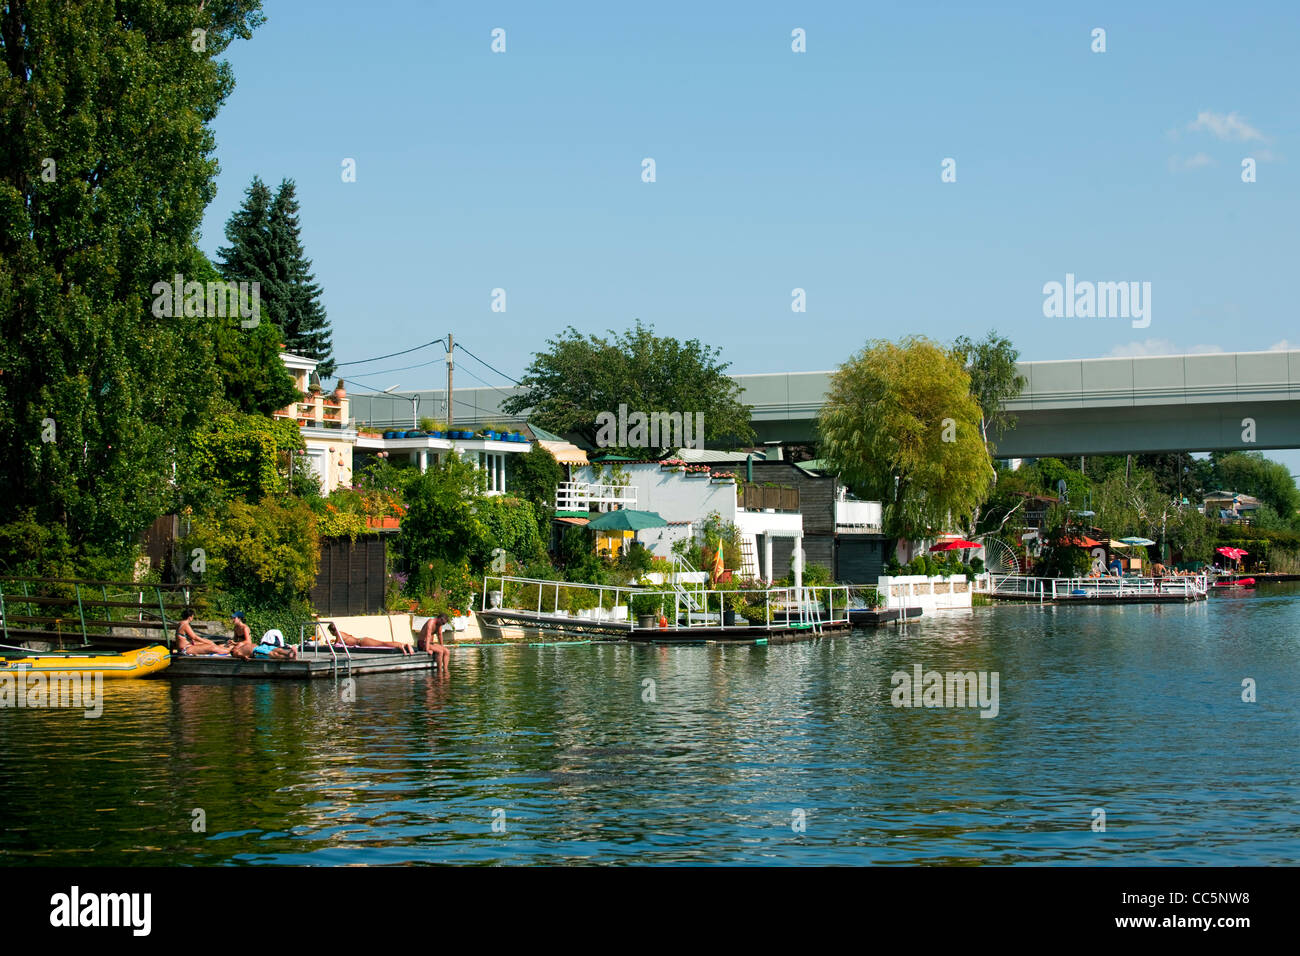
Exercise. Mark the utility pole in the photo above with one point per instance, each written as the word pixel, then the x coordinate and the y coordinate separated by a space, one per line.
pixel 450 358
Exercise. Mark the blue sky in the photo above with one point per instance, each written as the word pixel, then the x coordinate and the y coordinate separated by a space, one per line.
pixel 775 170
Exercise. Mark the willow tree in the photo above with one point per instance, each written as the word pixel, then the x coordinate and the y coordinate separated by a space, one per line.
pixel 901 426
pixel 106 166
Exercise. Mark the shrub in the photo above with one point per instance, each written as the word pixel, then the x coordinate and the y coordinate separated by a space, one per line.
pixel 266 554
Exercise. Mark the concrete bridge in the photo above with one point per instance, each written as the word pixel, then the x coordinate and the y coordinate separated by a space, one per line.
pixel 1104 406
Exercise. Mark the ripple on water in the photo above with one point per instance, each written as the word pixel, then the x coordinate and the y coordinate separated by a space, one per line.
pixel 773 755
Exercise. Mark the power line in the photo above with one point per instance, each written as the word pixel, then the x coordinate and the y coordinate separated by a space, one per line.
pixel 488 384
pixel 485 365
pixel 356 375
pixel 392 354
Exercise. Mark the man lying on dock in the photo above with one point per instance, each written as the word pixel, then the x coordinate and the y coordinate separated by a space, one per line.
pixel 343 637
pixel 273 646
pixel 431 640
pixel 192 644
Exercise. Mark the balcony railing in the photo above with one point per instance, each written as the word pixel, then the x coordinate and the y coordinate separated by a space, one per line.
pixel 857 517
pixel 763 498
pixel 582 496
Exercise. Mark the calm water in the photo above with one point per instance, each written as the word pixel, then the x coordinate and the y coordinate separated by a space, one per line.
pixel 1135 710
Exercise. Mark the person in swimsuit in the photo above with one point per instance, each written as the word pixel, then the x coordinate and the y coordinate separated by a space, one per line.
pixel 192 644
pixel 431 640
pixel 343 637
pixel 241 645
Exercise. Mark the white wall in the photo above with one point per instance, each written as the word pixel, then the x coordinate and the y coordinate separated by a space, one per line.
pixel 670 494
pixel 932 594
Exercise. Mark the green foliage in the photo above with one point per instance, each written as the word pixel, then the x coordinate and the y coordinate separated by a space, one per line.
pixel 578 377
pixel 994 378
pixel 266 247
pixel 883 427
pixel 443 522
pixel 266 554
pixel 1269 481
pixel 234 455
pixel 534 476
pixel 512 525
pixel 115 96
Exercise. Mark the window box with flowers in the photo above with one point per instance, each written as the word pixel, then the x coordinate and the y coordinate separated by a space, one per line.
pixel 697 471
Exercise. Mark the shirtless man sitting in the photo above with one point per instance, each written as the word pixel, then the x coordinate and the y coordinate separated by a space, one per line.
pixel 343 637
pixel 190 643
pixel 431 640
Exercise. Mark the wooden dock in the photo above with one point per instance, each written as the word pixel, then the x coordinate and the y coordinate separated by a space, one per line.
pixel 312 666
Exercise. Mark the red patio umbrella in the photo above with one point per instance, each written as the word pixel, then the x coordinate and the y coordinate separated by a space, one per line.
pixel 959 545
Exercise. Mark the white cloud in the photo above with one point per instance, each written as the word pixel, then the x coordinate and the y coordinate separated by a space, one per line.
pixel 1284 346
pixel 1191 162
pixel 1227 128
pixel 1159 347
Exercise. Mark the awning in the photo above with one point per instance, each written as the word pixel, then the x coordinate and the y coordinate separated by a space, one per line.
pixel 577 521
pixel 565 452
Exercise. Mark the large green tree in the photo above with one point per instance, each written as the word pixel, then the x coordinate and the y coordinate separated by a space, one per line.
pixel 579 377
pixel 1253 474
pixel 105 169
pixel 266 247
pixel 900 425
pixel 994 379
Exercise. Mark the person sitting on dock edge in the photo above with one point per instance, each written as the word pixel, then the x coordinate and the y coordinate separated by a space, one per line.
pixel 343 637
pixel 192 644
pixel 431 639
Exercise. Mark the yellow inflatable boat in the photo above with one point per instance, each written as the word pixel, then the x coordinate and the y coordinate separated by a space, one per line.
pixel 120 664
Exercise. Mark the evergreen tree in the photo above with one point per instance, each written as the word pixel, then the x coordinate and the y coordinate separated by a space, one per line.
pixel 265 247
pixel 303 321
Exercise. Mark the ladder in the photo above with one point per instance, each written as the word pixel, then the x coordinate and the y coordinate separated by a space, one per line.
pixel 748 558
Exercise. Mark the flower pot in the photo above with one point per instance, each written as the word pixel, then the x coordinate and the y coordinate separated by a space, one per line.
pixel 728 618
pixel 645 620
pixel 494 599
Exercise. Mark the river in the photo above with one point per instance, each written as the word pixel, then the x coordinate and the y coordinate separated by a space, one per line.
pixel 788 754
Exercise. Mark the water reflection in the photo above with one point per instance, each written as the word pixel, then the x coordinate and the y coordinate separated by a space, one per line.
pixel 1135 710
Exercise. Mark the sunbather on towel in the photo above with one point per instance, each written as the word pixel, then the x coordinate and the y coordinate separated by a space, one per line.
pixel 190 643
pixel 274 648
pixel 431 640
pixel 343 637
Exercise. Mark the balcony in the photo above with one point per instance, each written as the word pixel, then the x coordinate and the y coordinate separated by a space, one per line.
pixel 580 496
pixel 857 517
pixel 763 498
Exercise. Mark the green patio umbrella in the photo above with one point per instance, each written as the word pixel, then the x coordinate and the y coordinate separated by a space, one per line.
pixel 627 520
pixel 1136 542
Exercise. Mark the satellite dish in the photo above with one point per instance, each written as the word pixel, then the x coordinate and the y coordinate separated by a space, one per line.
pixel 1060 489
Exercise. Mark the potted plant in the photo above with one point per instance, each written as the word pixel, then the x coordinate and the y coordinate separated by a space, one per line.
pixel 645 608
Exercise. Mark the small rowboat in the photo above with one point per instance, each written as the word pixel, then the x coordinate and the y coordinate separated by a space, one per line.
pixel 88 660
pixel 1238 583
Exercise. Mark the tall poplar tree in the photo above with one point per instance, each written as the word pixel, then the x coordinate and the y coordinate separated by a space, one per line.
pixel 105 169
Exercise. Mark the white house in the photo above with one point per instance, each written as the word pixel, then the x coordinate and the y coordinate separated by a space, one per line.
pixel 684 496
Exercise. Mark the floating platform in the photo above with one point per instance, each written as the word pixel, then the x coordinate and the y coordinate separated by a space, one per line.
pixel 869 617
pixel 527 622
pixel 741 634
pixel 311 667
